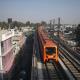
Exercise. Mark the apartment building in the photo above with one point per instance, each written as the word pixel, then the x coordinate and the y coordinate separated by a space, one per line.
pixel 6 53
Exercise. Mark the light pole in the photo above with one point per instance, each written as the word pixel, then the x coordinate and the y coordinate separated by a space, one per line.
pixel 58 26
pixel 58 33
pixel 50 24
pixel 53 25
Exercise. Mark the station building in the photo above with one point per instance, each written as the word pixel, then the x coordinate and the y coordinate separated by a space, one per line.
pixel 6 54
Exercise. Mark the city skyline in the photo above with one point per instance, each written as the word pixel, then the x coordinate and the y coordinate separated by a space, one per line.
pixel 40 10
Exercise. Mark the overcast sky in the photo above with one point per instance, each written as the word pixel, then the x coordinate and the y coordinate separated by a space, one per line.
pixel 37 10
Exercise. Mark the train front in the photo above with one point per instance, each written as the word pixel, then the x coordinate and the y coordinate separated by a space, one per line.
pixel 50 51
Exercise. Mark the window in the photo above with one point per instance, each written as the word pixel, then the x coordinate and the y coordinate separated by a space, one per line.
pixel 2 48
pixel 50 50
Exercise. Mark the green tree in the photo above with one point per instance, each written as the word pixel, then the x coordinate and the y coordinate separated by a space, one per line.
pixel 3 25
pixel 28 23
pixel 77 32
pixel 43 23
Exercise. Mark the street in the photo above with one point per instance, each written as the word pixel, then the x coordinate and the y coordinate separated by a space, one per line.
pixel 22 69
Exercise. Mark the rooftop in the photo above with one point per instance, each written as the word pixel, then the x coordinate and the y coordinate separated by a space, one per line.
pixel 5 34
pixel 2 32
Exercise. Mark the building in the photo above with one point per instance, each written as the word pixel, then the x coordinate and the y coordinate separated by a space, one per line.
pixel 9 20
pixel 6 54
pixel 18 41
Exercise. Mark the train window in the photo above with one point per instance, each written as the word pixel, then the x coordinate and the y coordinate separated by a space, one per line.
pixel 50 50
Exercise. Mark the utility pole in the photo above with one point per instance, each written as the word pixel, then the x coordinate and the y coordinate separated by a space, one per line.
pixel 58 26
pixel 50 24
pixel 58 34
pixel 53 25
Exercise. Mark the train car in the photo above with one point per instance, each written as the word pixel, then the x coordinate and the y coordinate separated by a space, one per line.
pixel 48 48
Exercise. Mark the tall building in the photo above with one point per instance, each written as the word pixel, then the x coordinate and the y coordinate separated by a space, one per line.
pixel 9 20
pixel 6 54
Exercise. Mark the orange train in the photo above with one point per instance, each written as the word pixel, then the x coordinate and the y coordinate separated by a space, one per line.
pixel 48 48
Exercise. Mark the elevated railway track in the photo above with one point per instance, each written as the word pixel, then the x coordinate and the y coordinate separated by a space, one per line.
pixel 67 67
pixel 45 71
pixel 53 71
pixel 71 65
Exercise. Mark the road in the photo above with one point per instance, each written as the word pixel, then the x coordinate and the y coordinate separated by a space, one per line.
pixel 23 61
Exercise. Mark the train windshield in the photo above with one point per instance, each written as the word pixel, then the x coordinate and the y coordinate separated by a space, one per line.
pixel 50 50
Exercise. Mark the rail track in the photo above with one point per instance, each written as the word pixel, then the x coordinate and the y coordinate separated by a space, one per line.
pixel 71 63
pixel 75 54
pixel 70 59
pixel 53 71
pixel 47 71
pixel 78 51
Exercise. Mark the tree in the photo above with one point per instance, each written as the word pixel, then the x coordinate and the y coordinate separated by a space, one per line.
pixel 28 23
pixel 32 25
pixel 17 24
pixel 3 25
pixel 77 32
pixel 43 23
